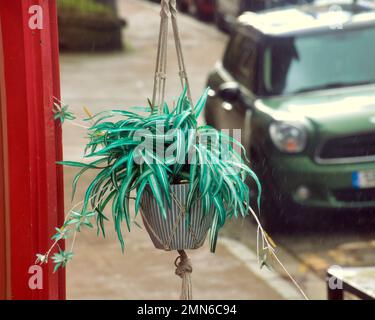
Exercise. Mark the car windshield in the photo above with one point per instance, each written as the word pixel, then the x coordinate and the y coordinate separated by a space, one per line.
pixel 304 63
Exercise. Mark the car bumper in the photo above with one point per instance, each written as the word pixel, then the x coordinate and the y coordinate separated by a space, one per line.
pixel 307 183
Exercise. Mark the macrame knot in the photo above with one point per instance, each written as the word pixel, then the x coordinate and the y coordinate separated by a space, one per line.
pixel 161 75
pixel 173 7
pixel 183 211
pixel 184 269
pixel 182 74
pixel 183 266
pixel 164 13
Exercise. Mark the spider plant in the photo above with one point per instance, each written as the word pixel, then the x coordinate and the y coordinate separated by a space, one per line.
pixel 131 152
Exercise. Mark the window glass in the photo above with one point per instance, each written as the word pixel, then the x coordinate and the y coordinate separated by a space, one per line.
pixel 232 53
pixel 324 60
pixel 247 64
pixel 240 59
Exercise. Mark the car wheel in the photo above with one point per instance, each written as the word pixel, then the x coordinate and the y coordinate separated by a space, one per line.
pixel 220 22
pixel 208 115
pixel 182 6
pixel 276 213
pixel 200 14
pixel 279 214
pixel 273 217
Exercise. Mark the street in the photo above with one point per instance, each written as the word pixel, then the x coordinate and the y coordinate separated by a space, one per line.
pixel 117 80
pixel 308 254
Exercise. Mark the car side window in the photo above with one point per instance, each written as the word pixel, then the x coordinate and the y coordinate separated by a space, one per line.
pixel 232 53
pixel 240 59
pixel 247 64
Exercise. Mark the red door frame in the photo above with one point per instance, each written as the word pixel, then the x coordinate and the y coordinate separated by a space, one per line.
pixel 2 195
pixel 32 145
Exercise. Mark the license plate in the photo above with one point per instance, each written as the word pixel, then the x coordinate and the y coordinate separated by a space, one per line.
pixel 364 179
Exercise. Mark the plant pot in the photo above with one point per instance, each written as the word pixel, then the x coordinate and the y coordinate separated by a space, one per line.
pixel 89 32
pixel 174 233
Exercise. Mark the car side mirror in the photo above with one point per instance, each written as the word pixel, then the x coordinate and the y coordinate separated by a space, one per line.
pixel 229 92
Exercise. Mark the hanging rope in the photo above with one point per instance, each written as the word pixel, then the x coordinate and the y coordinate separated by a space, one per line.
pixel 161 59
pixel 180 57
pixel 183 264
pixel 184 270
pixel 169 9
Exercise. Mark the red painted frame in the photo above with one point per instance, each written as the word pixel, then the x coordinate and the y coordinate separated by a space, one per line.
pixel 2 193
pixel 33 144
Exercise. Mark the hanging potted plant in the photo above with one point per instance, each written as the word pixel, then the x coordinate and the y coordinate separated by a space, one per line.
pixel 183 183
pixel 186 180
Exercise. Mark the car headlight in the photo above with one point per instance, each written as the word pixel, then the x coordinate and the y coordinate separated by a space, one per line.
pixel 288 136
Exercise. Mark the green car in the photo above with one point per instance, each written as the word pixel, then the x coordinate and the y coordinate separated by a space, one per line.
pixel 300 84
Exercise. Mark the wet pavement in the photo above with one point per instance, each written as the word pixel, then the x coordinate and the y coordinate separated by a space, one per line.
pixel 99 270
pixel 307 254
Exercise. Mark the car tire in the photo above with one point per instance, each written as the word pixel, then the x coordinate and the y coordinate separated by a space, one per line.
pixel 202 16
pixel 277 213
pixel 182 6
pixel 273 217
pixel 220 22
pixel 208 114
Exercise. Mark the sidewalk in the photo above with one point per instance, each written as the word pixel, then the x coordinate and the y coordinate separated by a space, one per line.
pixel 99 270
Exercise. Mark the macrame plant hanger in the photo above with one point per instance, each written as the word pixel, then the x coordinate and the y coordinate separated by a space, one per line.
pixel 169 9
